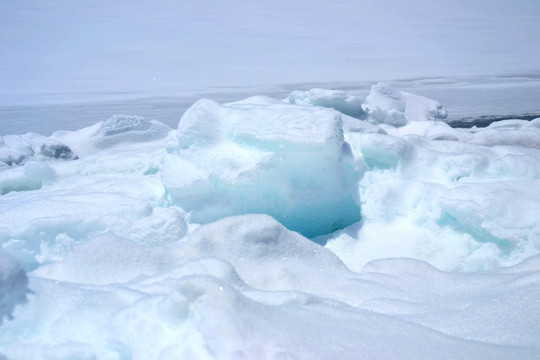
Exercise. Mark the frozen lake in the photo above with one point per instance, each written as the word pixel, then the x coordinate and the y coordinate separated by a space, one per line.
pixel 466 99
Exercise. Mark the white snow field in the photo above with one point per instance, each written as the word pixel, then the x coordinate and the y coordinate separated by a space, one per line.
pixel 280 180
pixel 142 242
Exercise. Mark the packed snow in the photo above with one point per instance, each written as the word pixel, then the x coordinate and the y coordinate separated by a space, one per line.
pixel 320 226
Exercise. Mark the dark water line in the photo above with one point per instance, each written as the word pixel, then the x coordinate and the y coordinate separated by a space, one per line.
pixel 486 120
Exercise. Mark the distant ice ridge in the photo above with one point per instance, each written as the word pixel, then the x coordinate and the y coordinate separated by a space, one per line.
pixel 261 155
pixel 385 105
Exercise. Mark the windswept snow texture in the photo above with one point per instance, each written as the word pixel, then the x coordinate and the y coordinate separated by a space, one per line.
pixel 267 229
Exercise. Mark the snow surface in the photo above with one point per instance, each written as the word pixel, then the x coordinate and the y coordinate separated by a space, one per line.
pixel 352 219
pixel 423 240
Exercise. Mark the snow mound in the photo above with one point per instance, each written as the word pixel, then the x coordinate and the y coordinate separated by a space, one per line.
pixel 510 133
pixel 264 156
pixel 117 131
pixel 247 287
pixel 336 99
pixel 385 105
pixel 251 244
pixel 13 286
pixel 18 149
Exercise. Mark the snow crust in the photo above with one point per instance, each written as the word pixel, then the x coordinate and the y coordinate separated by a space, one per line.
pixel 267 229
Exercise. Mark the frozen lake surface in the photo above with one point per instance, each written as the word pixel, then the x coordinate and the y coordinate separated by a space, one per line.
pixel 468 100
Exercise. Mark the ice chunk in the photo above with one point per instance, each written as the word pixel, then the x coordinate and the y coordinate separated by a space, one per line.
pixel 385 105
pixel 352 125
pixel 17 149
pixel 336 99
pixel 122 123
pixel 499 219
pixel 454 204
pixel 259 121
pixel 13 286
pixel 379 150
pixel 31 176
pixel 264 156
